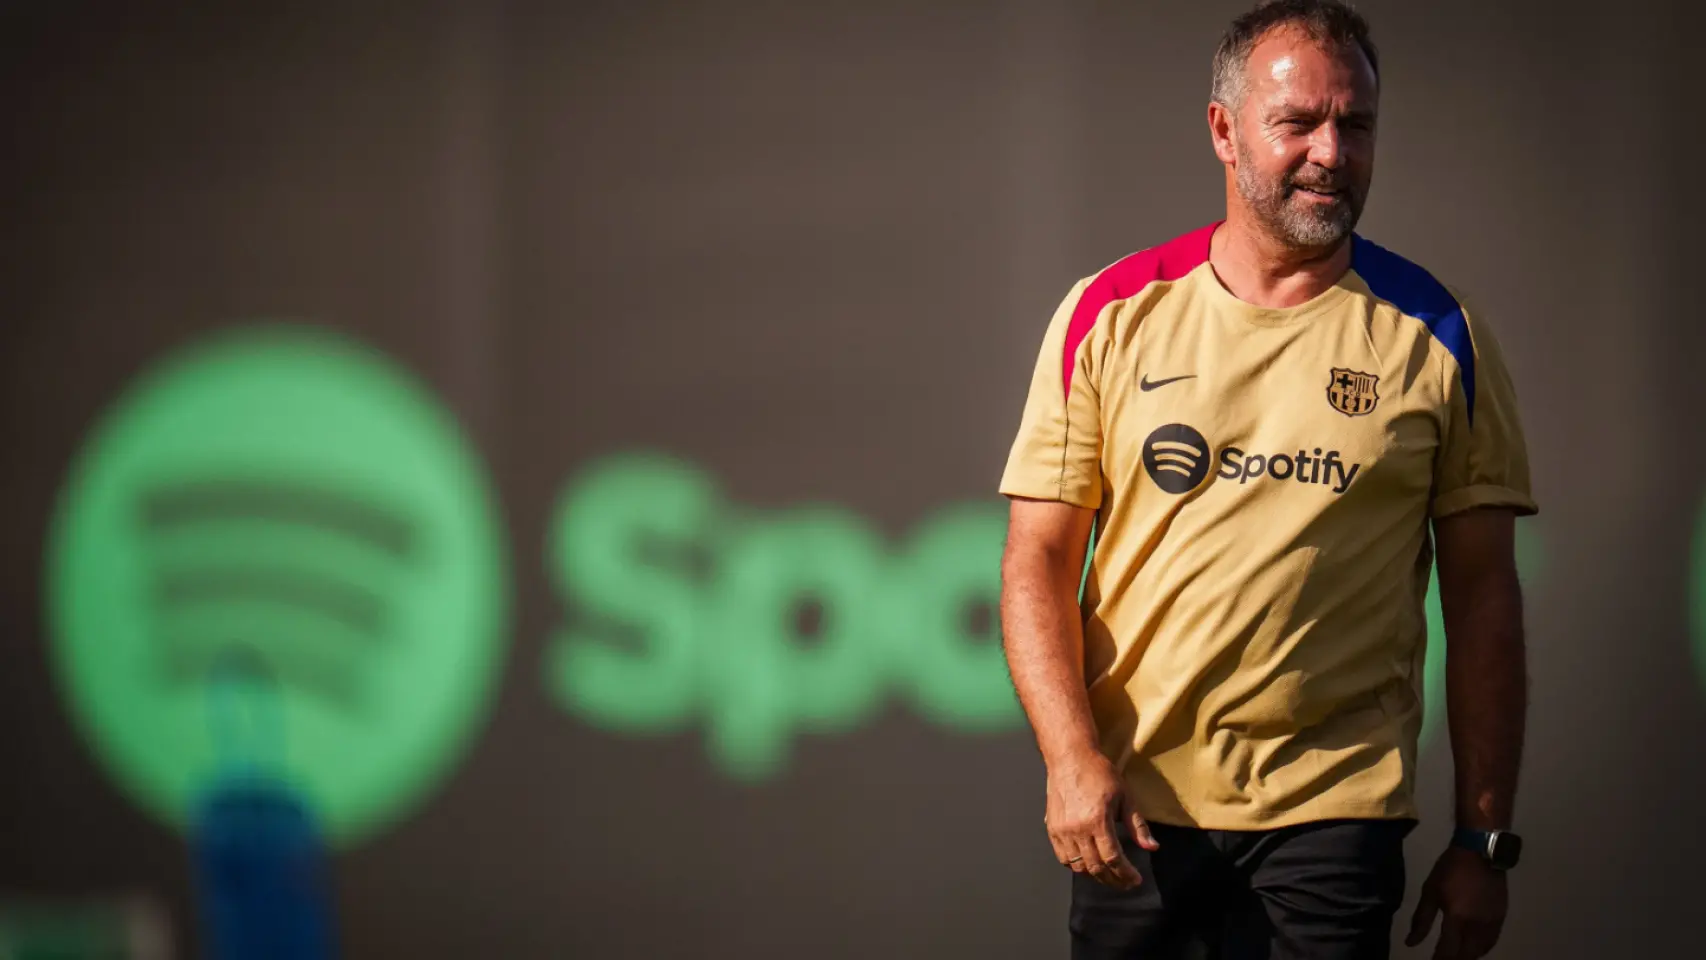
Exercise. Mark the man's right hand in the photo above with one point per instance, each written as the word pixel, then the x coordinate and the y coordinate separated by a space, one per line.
pixel 1042 632
pixel 1085 800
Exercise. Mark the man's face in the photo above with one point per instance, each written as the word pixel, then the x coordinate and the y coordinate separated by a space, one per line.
pixel 1304 139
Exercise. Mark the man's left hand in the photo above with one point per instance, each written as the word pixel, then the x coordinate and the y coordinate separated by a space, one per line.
pixel 1472 895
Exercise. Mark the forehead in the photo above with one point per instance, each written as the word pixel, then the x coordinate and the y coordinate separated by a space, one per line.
pixel 1289 67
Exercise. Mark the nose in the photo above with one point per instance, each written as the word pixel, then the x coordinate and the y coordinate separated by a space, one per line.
pixel 1324 147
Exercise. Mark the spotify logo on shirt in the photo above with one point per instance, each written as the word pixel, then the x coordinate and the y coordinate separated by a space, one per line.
pixel 1325 469
pixel 1177 458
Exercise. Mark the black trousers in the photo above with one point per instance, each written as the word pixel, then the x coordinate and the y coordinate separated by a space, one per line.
pixel 1317 891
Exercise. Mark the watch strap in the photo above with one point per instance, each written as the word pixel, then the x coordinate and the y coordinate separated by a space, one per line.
pixel 1475 841
pixel 1500 849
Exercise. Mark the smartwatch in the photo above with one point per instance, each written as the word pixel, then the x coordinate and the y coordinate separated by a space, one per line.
pixel 1500 849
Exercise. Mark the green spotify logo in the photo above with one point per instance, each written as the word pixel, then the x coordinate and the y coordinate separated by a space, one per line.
pixel 298 502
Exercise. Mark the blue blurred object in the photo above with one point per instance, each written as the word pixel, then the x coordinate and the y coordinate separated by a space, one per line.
pixel 261 870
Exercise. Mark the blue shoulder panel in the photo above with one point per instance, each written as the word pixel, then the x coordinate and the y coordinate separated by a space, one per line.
pixel 1415 292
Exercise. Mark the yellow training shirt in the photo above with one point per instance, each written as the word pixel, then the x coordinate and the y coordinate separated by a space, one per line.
pixel 1262 479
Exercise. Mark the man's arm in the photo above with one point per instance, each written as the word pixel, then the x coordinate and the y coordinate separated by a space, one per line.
pixel 1041 627
pixel 1043 635
pixel 1486 675
pixel 1486 692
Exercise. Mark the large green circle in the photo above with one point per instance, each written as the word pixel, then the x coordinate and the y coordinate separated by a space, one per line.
pixel 289 495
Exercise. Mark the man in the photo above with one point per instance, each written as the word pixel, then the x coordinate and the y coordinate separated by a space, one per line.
pixel 1261 419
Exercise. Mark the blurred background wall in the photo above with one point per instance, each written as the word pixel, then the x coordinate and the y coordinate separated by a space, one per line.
pixel 645 371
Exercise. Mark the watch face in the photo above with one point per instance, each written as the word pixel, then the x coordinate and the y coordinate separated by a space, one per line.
pixel 1506 850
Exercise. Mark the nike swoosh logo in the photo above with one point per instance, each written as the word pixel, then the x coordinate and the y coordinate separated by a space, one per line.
pixel 1147 384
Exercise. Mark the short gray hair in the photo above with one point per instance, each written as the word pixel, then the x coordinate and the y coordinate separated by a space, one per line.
pixel 1331 23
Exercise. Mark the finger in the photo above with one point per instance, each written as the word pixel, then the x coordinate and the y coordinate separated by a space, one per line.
pixel 1120 872
pixel 1062 850
pixel 1450 946
pixel 1422 921
pixel 1082 858
pixel 1139 826
pixel 1068 850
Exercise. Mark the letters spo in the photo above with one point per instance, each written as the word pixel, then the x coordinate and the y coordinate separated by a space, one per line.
pixel 681 608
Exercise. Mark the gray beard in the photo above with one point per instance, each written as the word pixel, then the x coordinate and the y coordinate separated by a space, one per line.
pixel 1308 227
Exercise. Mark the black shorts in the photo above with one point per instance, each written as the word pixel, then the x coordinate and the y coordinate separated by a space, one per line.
pixel 1321 891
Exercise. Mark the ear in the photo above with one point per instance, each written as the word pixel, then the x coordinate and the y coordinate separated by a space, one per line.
pixel 1220 132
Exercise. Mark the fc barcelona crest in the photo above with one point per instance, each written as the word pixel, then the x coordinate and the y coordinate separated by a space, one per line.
pixel 1352 393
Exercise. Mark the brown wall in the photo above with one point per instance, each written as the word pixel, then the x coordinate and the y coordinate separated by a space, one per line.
pixel 810 247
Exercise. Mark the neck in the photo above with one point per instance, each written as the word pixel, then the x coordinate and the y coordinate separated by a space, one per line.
pixel 1264 271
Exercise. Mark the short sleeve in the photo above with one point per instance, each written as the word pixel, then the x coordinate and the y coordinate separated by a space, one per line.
pixel 1057 453
pixel 1483 456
